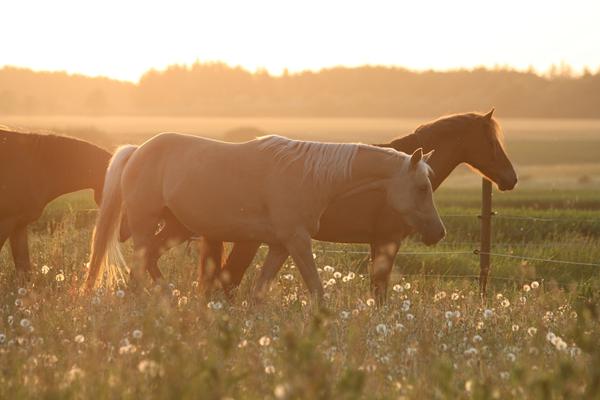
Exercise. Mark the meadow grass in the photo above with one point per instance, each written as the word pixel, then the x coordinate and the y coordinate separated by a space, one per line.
pixel 536 335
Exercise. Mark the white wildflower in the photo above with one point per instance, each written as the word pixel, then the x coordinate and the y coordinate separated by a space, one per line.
pixel 264 341
pixel 535 284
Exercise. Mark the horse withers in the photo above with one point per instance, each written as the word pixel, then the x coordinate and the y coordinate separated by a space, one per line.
pixel 271 190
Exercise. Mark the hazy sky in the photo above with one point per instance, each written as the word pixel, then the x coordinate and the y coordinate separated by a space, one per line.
pixel 123 39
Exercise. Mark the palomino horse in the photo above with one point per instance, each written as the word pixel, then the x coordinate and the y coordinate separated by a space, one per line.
pixel 35 169
pixel 363 218
pixel 271 190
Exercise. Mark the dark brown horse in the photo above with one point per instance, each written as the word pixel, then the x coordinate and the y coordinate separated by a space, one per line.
pixel 34 170
pixel 469 138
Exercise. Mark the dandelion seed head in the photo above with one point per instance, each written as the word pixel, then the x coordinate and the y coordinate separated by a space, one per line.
pixel 79 339
pixel 45 269
pixel 269 370
pixel 59 277
pixel 381 329
pixel 398 288
pixel 182 301
pixel 370 302
pixel 280 392
pixel 531 331
pixel 487 313
pixel 535 284
pixel 137 334
pixel 120 293
pixel 328 269
pixel 526 288
pixel 22 291
pixel 150 368
pixel 215 305
pixel 25 323
pixel 264 341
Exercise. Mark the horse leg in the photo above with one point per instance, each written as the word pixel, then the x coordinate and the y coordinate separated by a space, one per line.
pixel 170 236
pixel 143 225
pixel 383 254
pixel 300 248
pixel 237 263
pixel 20 249
pixel 275 258
pixel 6 227
pixel 211 258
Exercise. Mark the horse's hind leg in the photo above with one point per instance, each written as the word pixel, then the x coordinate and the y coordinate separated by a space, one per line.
pixel 143 228
pixel 20 249
pixel 237 263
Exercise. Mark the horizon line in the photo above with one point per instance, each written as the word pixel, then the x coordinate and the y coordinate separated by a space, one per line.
pixel 562 69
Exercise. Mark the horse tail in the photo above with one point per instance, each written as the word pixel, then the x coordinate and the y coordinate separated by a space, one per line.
pixel 106 254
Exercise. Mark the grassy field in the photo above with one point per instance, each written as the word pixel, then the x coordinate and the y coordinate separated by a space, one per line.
pixel 535 336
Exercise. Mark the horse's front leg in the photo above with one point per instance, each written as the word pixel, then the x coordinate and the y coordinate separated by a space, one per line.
pixel 383 254
pixel 20 249
pixel 300 248
pixel 275 258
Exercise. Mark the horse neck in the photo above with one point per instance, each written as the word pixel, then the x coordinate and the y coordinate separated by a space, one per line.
pixel 446 157
pixel 370 168
pixel 72 165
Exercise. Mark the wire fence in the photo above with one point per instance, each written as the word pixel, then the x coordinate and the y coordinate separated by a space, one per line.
pixel 476 251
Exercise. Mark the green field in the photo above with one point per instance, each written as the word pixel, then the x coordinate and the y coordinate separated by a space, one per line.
pixel 434 339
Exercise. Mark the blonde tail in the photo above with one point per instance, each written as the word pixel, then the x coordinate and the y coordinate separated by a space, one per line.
pixel 106 253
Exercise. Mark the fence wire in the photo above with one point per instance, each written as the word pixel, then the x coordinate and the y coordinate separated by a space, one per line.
pixel 476 251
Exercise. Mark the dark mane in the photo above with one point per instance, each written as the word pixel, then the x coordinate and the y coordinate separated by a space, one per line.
pixel 457 121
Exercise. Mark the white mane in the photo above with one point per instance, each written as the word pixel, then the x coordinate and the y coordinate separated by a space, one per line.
pixel 323 162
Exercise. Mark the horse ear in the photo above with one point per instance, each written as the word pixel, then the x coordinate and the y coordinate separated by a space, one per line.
pixel 488 116
pixel 415 158
pixel 427 156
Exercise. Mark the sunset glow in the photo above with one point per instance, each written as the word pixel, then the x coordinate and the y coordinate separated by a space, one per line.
pixel 124 39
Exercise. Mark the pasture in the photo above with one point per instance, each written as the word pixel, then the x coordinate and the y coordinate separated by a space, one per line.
pixel 536 334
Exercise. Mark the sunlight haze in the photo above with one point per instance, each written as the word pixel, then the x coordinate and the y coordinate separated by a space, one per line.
pixel 123 40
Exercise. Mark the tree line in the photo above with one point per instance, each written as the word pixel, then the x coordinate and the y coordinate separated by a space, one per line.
pixel 216 89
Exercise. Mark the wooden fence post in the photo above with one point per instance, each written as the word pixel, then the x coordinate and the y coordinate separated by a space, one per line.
pixel 486 234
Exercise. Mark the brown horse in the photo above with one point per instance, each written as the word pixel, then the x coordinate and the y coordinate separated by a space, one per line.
pixel 34 170
pixel 469 138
